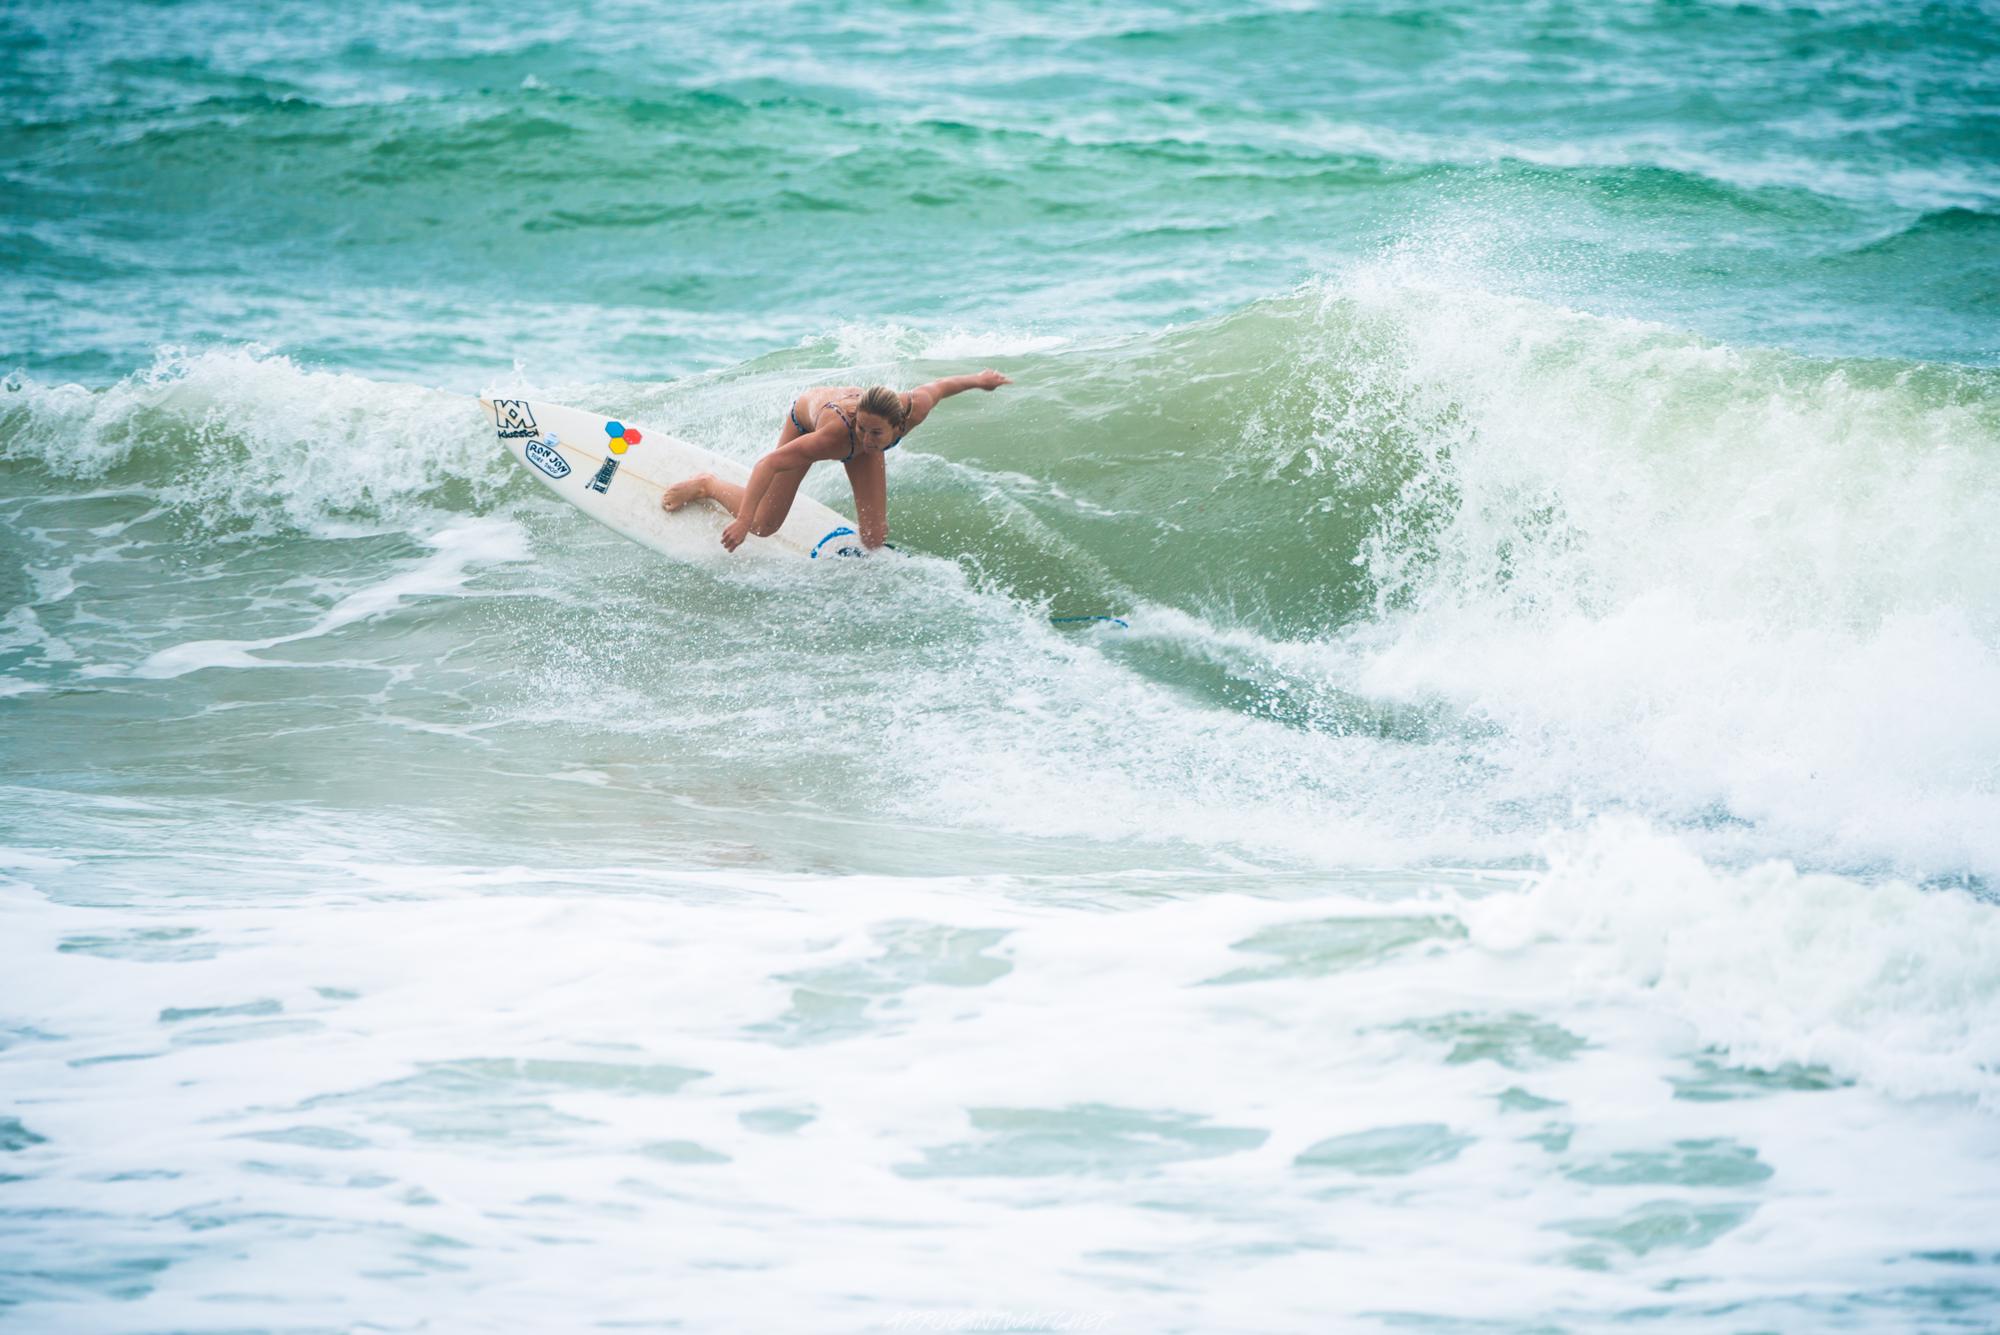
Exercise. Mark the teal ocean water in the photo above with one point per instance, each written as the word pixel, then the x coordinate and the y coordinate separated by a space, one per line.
pixel 1526 863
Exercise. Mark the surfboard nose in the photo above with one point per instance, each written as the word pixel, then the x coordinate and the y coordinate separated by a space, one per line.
pixel 491 412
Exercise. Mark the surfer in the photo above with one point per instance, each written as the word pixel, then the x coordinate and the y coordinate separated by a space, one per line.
pixel 841 422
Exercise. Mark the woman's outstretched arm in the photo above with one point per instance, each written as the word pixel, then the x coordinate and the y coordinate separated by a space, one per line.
pixel 959 384
pixel 939 390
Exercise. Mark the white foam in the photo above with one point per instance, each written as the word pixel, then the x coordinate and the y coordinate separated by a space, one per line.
pixel 1879 981
pixel 460 551
pixel 22 629
pixel 20 859
pixel 876 343
pixel 488 1056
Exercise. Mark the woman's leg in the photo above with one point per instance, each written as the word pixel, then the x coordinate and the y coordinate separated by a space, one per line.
pixel 771 511
pixel 870 480
pixel 777 500
pixel 702 487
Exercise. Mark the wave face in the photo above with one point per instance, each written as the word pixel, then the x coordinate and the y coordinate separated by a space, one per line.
pixel 1397 541
pixel 1528 847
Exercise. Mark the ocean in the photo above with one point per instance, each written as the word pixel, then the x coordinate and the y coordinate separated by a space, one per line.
pixel 1431 764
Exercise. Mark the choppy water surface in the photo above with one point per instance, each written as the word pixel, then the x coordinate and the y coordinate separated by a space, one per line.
pixel 1525 864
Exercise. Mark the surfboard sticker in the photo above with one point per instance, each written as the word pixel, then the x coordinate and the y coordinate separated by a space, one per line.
pixel 845 549
pixel 544 455
pixel 514 419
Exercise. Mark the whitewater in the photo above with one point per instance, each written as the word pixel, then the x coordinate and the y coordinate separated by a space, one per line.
pixel 1523 857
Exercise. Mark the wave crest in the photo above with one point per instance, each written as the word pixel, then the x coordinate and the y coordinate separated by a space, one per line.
pixel 244 436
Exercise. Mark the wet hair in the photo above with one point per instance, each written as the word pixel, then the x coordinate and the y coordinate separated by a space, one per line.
pixel 885 403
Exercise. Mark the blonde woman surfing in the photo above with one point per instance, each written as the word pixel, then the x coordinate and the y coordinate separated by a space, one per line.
pixel 841 422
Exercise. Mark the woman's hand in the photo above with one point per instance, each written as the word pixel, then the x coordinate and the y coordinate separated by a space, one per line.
pixel 989 380
pixel 732 537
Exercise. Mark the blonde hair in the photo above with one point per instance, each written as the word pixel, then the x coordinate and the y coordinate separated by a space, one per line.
pixel 885 403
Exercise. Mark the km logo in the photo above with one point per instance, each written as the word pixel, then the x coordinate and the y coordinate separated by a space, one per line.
pixel 516 419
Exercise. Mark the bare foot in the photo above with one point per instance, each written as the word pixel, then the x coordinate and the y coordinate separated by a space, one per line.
pixel 681 493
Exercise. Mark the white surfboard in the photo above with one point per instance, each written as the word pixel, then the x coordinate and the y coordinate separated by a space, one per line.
pixel 615 471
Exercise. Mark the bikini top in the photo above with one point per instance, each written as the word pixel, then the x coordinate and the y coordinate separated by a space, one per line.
pixel 852 440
